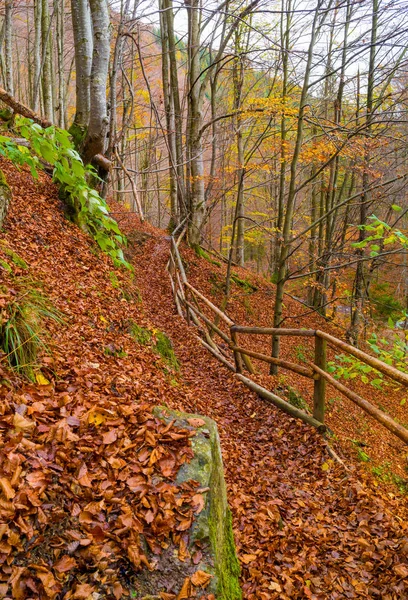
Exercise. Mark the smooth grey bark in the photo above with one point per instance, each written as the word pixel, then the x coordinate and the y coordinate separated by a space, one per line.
pixel 178 116
pixel 359 283
pixel 46 62
pixel 197 88
pixel 169 110
pixel 60 61
pixel 8 30
pixel 82 28
pixel 98 121
pixel 197 195
pixel 116 64
pixel 37 55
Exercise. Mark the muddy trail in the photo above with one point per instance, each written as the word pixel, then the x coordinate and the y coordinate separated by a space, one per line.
pixel 304 527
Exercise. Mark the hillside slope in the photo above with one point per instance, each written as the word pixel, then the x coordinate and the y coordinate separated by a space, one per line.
pixel 304 527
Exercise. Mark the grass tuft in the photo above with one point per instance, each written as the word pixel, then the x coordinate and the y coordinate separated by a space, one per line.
pixel 22 333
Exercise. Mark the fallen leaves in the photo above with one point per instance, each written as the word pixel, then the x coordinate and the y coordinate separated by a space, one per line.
pixel 87 490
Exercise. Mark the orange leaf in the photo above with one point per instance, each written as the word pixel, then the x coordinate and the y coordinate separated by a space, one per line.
pixel 109 437
pixel 65 563
pixel 201 578
pixel 83 591
pixel 185 591
pixel 247 558
pixel 196 422
pixel 117 590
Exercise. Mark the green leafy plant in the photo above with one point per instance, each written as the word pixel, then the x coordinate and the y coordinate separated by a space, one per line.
pixel 55 146
pixel 384 303
pixel 22 333
pixel 382 234
pixel 348 367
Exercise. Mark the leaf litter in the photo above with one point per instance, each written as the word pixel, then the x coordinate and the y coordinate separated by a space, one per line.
pixel 86 470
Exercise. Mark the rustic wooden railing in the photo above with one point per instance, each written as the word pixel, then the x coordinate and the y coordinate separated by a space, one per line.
pixel 235 357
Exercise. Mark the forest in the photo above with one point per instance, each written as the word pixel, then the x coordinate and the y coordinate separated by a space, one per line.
pixel 203 259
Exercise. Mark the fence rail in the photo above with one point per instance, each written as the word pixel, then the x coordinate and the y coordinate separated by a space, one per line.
pixel 234 356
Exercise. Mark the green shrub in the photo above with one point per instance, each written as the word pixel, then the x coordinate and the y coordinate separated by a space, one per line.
pixel 22 333
pixel 384 302
pixel 55 146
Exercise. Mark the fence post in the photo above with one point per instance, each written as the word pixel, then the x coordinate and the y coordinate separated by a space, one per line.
pixel 320 383
pixel 237 355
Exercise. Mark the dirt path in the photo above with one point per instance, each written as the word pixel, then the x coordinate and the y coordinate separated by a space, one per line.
pixel 304 529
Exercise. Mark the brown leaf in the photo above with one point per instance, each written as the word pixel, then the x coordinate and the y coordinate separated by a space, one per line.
pixel 117 590
pixel 196 422
pixel 185 591
pixel 65 563
pixel 201 579
pixel 21 423
pixel 83 591
pixel 110 436
pixel 7 489
pixel 198 503
pixel 247 558
pixel 401 570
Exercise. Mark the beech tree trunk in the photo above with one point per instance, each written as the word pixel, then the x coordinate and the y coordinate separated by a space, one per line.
pixel 98 120
pixel 82 27
pixel 8 25
pixel 47 62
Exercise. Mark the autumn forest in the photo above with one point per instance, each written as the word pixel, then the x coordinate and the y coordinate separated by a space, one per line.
pixel 203 299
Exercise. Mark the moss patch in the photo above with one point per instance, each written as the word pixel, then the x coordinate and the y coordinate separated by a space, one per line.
pixel 213 526
pixel 164 347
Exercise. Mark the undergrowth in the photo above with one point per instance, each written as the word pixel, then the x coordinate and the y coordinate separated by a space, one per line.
pixel 55 147
pixel 22 334
pixel 159 341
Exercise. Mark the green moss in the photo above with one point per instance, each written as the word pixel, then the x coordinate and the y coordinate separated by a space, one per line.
pixel 295 399
pixel 5 266
pixel 78 134
pixel 203 254
pixel 17 260
pixel 142 335
pixel 214 524
pixel 164 347
pixel 245 284
pixel 3 181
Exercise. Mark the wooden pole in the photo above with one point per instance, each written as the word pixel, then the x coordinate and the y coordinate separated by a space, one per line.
pixel 214 308
pixel 237 355
pixel 319 392
pixel 299 369
pixel 275 331
pixel 363 356
pixel 282 404
pixel 369 408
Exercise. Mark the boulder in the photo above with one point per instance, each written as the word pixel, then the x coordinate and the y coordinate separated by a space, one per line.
pixel 212 528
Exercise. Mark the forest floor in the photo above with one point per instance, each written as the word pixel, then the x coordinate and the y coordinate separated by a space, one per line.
pixel 304 526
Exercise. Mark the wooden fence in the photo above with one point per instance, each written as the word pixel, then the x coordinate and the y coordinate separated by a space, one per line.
pixel 228 350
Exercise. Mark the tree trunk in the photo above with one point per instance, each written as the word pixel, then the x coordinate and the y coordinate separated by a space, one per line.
pixel 98 121
pixel 8 25
pixel 46 61
pixel 197 192
pixel 82 28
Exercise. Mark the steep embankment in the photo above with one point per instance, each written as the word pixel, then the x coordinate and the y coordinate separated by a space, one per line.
pixel 304 528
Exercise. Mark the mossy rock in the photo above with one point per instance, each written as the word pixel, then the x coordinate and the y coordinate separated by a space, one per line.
pixel 213 526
